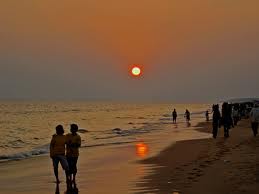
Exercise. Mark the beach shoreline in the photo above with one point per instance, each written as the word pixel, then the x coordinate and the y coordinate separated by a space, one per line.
pixel 185 166
pixel 206 166
pixel 96 165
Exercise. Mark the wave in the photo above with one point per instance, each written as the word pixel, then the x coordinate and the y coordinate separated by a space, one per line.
pixel 43 150
pixel 27 154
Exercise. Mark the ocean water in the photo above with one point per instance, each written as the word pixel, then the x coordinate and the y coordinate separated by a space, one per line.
pixel 27 127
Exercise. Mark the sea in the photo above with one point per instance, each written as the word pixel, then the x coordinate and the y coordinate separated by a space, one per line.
pixel 27 127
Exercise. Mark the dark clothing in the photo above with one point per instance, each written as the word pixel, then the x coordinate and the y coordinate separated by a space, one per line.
pixel 216 123
pixel 226 118
pixel 216 120
pixel 207 116
pixel 72 163
pixel 174 116
pixel 255 128
pixel 215 126
pixel 187 116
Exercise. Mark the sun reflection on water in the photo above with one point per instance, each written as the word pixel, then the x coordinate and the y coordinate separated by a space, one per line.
pixel 141 149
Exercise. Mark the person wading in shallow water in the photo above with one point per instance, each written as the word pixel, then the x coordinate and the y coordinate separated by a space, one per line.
pixel 207 115
pixel 187 115
pixel 57 152
pixel 73 145
pixel 174 114
pixel 215 120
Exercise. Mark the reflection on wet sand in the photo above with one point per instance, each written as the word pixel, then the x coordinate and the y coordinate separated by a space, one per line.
pixel 141 149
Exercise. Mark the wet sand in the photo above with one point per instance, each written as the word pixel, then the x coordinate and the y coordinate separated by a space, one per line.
pixel 98 173
pixel 102 170
pixel 203 166
pixel 208 166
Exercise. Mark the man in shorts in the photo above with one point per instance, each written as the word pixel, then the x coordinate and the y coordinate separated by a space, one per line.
pixel 57 152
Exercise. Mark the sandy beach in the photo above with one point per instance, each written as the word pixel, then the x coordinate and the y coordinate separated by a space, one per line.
pixel 203 166
pixel 207 166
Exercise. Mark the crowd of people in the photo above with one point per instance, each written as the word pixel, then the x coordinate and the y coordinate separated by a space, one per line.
pixel 230 115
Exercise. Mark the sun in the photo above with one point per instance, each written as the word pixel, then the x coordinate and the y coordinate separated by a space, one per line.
pixel 136 71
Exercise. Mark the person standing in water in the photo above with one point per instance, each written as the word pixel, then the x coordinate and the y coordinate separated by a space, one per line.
pixel 187 115
pixel 207 115
pixel 57 152
pixel 174 114
pixel 215 120
pixel 73 145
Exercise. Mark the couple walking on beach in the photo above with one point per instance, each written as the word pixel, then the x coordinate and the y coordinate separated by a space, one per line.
pixel 64 149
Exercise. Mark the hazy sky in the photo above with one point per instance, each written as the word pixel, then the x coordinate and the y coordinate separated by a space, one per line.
pixel 191 50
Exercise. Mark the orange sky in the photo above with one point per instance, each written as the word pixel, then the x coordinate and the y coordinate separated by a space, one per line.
pixel 164 35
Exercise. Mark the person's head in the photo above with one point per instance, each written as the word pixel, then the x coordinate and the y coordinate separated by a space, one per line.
pixel 215 107
pixel 59 130
pixel 73 128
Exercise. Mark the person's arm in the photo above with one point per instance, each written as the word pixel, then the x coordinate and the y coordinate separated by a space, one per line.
pixel 51 147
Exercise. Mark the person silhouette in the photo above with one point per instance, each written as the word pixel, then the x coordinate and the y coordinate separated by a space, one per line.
pixel 226 118
pixel 57 152
pixel 73 145
pixel 207 115
pixel 215 120
pixel 174 114
pixel 187 115
pixel 254 117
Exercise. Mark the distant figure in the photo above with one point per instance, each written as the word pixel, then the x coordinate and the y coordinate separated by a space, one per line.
pixel 207 115
pixel 235 114
pixel 73 145
pixel 174 114
pixel 231 115
pixel 226 118
pixel 187 115
pixel 254 117
pixel 215 120
pixel 57 152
